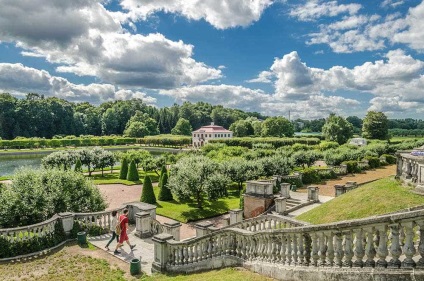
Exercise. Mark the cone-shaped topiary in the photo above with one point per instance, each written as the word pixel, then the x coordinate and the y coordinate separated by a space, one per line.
pixel 165 193
pixel 78 166
pixel 162 172
pixel 147 194
pixel 132 172
pixel 124 169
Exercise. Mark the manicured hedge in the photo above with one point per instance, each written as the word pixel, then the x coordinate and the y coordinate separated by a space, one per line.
pixel 53 143
pixel 275 142
pixel 165 140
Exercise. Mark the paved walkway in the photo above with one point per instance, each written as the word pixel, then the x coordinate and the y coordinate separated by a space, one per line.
pixel 144 249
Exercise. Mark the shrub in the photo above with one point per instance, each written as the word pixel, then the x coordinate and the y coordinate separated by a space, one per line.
pixel 133 172
pixel 310 176
pixel 163 171
pixel 124 169
pixel 373 162
pixel 165 193
pixel 294 181
pixel 390 159
pixel 147 194
pixel 78 166
pixel 327 174
pixel 352 167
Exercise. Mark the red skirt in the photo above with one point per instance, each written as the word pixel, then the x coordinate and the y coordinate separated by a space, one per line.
pixel 123 237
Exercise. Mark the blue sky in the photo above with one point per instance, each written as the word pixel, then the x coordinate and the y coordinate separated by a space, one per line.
pixel 309 57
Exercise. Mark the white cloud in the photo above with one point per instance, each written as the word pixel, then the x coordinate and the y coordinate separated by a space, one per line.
pixel 221 14
pixel 314 9
pixel 19 79
pixel 263 77
pixel 83 38
pixel 392 3
pixel 414 34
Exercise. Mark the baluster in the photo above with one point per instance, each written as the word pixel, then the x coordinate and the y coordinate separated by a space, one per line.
pixel 314 249
pixel 185 255
pixel 359 248
pixel 283 249
pixel 409 247
pixel 269 248
pixel 348 248
pixel 339 250
pixel 210 248
pixel 370 249
pixel 330 248
pixel 295 261
pixel 395 249
pixel 301 249
pixel 195 252
pixel 322 249
pixel 382 251
pixel 420 263
pixel 289 250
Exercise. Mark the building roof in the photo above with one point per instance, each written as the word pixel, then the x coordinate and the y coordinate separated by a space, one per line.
pixel 212 129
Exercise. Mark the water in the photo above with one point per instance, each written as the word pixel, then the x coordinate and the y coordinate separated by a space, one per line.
pixel 9 165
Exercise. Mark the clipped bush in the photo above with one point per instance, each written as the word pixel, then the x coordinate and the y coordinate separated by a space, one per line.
pixel 294 181
pixel 352 167
pixel 147 194
pixel 310 175
pixel 373 162
pixel 390 159
pixel 133 172
pixel 162 172
pixel 327 174
pixel 78 166
pixel 124 169
pixel 165 193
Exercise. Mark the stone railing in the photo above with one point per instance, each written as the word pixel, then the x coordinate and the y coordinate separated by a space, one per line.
pixel 266 222
pixel 98 219
pixel 23 233
pixel 383 242
pixel 147 226
pixel 340 170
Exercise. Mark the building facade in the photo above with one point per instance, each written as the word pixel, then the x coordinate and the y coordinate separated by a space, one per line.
pixel 204 134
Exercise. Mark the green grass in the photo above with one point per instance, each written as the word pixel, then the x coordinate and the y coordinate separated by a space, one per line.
pixel 376 198
pixel 113 178
pixel 3 178
pixel 227 274
pixel 188 211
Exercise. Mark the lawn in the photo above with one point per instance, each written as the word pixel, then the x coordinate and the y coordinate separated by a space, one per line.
pixel 376 198
pixel 188 211
pixel 113 178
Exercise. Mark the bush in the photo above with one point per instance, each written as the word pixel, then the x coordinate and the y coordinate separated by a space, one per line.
pixel 352 167
pixel 297 182
pixel 78 166
pixel 133 172
pixel 36 195
pixel 165 193
pixel 390 159
pixel 310 176
pixel 373 162
pixel 147 194
pixel 124 169
pixel 162 172
pixel 90 229
pixel 327 174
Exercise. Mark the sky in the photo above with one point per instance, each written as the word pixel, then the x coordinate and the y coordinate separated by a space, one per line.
pixel 303 58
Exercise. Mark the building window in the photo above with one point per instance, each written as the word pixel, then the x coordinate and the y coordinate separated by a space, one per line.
pixel 210 135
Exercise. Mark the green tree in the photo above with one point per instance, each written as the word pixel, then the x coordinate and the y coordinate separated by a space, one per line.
pixel 163 171
pixel 124 169
pixel 133 172
pixel 277 127
pixel 165 193
pixel 136 129
pixel 198 178
pixel 103 159
pixel 375 126
pixel 147 194
pixel 182 127
pixel 242 128
pixel 78 166
pixel 337 129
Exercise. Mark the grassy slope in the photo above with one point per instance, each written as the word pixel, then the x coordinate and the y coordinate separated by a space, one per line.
pixel 188 211
pixel 379 197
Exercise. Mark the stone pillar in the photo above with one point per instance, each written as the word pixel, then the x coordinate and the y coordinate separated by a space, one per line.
pixel 280 205
pixel 339 189
pixel 67 222
pixel 236 215
pixel 143 222
pixel 350 185
pixel 160 252
pixel 173 228
pixel 399 165
pixel 202 228
pixel 285 190
pixel 137 207
pixel 313 193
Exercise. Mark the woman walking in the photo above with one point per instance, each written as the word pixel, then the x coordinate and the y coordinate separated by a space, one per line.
pixel 113 228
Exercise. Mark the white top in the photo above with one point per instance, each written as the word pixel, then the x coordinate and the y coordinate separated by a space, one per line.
pixel 114 222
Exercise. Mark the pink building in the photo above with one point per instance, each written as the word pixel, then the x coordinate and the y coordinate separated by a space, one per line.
pixel 211 132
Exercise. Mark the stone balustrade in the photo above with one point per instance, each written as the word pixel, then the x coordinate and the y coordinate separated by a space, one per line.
pixel 267 222
pixel 99 219
pixel 23 233
pixel 391 241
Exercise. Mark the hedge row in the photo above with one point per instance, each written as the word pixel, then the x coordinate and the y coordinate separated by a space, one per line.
pixel 77 142
pixel 165 140
pixel 275 142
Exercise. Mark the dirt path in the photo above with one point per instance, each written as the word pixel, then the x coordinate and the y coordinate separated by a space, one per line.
pixel 370 175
